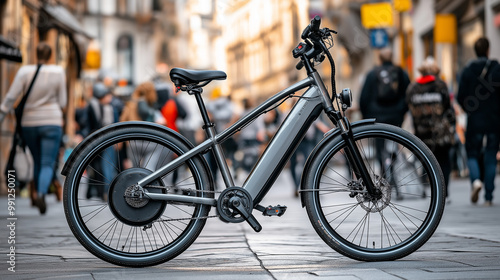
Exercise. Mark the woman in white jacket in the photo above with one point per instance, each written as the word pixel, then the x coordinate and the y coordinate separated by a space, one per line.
pixel 42 119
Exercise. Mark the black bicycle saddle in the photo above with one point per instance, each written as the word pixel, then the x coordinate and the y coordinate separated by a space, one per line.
pixel 186 77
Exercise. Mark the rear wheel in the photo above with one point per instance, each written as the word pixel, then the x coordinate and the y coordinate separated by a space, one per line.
pixel 368 228
pixel 117 227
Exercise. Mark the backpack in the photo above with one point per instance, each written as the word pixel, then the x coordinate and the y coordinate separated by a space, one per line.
pixel 388 84
pixel 433 123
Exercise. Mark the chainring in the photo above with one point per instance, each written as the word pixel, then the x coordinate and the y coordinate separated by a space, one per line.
pixel 226 212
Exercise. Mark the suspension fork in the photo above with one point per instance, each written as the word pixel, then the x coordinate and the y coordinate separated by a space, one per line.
pixel 353 154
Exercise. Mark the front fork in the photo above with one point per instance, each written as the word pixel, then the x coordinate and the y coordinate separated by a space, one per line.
pixel 353 154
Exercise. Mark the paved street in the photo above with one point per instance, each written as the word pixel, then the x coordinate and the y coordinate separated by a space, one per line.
pixel 466 245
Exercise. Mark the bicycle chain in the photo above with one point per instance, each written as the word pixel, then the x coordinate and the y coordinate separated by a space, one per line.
pixel 188 190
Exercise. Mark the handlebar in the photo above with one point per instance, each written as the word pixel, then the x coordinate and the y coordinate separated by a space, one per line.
pixel 311 28
pixel 314 48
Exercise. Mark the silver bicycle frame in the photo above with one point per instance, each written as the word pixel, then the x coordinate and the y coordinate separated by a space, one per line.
pixel 277 153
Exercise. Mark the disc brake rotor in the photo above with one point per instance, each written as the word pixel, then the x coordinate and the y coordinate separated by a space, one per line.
pixel 371 204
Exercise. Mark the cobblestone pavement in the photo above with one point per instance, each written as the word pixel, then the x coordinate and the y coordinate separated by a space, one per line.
pixel 466 245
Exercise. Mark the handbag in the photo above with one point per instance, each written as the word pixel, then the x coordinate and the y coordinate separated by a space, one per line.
pixel 19 158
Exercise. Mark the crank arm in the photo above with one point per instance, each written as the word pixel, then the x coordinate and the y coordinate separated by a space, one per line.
pixel 181 198
pixel 251 220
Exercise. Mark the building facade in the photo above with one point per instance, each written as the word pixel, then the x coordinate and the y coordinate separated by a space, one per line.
pixel 259 37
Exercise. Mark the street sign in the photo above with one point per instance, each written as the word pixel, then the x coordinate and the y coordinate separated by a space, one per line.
pixel 377 15
pixel 379 38
pixel 402 5
pixel 445 29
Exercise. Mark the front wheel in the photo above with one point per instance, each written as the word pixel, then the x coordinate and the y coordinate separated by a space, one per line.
pixel 106 217
pixel 369 228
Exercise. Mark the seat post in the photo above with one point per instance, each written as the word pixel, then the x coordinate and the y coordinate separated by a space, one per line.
pixel 201 105
pixel 209 128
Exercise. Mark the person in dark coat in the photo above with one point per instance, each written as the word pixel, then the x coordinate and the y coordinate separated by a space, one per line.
pixel 479 96
pixel 383 97
pixel 384 91
pixel 101 113
pixel 433 115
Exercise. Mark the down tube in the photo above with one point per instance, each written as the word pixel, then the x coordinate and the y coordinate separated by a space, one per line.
pixel 283 144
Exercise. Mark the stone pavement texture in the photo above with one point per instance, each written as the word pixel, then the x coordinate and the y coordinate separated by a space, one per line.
pixel 466 245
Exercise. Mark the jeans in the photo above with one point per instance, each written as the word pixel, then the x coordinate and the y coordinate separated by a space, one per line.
pixel 43 142
pixel 474 146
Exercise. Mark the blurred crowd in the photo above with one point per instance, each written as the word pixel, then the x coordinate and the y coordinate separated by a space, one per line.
pixel 387 95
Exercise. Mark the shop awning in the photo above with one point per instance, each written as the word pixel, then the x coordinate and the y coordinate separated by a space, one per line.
pixel 61 18
pixel 9 50
pixel 64 19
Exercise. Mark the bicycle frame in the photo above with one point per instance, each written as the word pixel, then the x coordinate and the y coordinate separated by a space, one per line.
pixel 277 153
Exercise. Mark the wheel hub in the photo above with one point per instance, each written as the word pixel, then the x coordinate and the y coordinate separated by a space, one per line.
pixel 128 203
pixel 376 204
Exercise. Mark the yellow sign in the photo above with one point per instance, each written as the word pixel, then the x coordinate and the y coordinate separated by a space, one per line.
pixel 93 59
pixel 377 15
pixel 445 30
pixel 402 5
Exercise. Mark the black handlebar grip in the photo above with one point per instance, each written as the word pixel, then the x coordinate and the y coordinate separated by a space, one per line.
pixel 315 23
pixel 299 65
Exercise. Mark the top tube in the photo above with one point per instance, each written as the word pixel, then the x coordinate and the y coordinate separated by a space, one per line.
pixel 252 115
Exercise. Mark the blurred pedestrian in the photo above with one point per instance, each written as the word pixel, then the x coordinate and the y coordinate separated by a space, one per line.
pixel 222 111
pixel 433 116
pixel 298 159
pixel 172 110
pixel 249 140
pixel 142 105
pixel 383 97
pixel 479 96
pixel 190 126
pixel 42 119
pixel 100 114
pixel 384 91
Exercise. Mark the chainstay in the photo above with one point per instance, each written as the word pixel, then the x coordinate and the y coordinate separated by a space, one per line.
pixel 186 219
pixel 182 190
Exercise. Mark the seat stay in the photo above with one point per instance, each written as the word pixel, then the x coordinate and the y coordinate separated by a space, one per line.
pixel 201 148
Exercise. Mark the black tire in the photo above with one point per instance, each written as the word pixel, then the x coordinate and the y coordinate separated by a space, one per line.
pixel 354 224
pixel 135 232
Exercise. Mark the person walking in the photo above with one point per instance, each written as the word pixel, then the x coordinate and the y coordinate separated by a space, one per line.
pixel 383 97
pixel 433 116
pixel 479 96
pixel 42 119
pixel 100 114
pixel 142 106
pixel 249 140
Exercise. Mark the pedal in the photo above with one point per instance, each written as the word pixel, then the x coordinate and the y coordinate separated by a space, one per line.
pixel 274 210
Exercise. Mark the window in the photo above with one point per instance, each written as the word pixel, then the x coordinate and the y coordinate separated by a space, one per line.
pixel 125 57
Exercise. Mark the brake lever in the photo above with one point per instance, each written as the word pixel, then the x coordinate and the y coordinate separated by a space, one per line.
pixel 319 58
pixel 326 32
